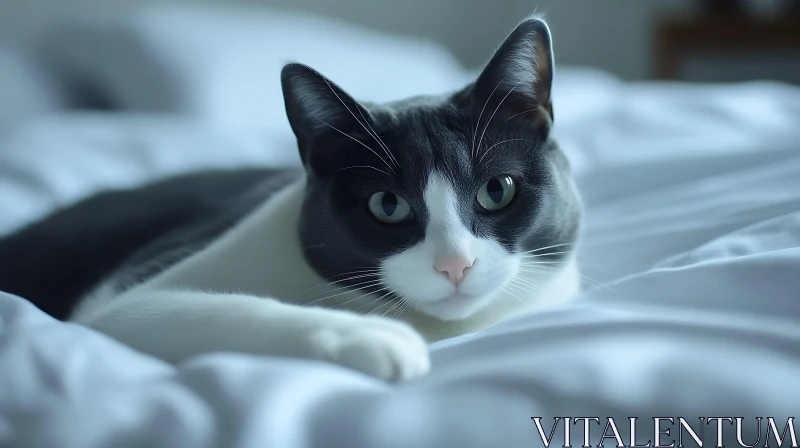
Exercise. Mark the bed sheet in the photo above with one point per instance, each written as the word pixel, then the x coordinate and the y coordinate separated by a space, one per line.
pixel 691 253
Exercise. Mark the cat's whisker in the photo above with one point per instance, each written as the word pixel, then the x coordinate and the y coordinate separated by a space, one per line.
pixel 546 247
pixel 378 138
pixel 402 309
pixel 477 125
pixel 603 287
pixel 595 284
pixel 527 258
pixel 369 268
pixel 554 273
pixel 514 295
pixel 539 271
pixel 393 307
pixel 390 292
pixel 382 304
pixel 330 280
pixel 350 270
pixel 359 270
pixel 529 263
pixel 376 310
pixel 339 268
pixel 548 267
pixel 502 297
pixel 369 131
pixel 341 294
pixel 357 141
pixel 500 143
pixel 523 289
pixel 378 291
pixel 582 265
pixel 361 286
pixel 528 282
pixel 521 113
pixel 341 305
pixel 355 277
pixel 485 127
pixel 590 281
pixel 357 310
pixel 356 272
pixel 544 269
pixel 554 270
pixel 547 254
pixel 544 274
pixel 341 290
pixel 366 166
pixel 407 304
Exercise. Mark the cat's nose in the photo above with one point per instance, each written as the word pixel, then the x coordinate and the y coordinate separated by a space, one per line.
pixel 454 268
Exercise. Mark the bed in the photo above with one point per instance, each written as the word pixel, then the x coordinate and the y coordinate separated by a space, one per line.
pixel 690 251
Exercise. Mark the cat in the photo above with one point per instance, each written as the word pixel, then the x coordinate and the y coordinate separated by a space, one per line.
pixel 407 223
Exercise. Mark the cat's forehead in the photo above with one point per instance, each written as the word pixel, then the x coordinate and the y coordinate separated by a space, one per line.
pixel 424 118
pixel 427 131
pixel 441 133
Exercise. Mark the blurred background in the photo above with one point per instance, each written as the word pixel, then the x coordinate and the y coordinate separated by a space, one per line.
pixel 694 40
pixel 108 93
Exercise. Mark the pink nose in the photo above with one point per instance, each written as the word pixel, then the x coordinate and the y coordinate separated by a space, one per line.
pixel 453 268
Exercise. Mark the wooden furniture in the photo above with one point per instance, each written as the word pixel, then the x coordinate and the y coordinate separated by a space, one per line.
pixel 728 47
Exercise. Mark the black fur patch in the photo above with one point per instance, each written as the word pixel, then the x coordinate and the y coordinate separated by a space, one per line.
pixel 127 236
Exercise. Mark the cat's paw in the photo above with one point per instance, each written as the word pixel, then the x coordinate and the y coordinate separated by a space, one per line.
pixel 383 348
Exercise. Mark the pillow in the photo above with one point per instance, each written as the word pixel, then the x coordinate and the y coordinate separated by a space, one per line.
pixel 223 64
pixel 25 89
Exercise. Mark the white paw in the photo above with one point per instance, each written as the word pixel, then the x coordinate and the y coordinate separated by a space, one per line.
pixel 384 348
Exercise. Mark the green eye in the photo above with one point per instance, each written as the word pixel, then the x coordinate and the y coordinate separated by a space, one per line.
pixel 389 207
pixel 496 193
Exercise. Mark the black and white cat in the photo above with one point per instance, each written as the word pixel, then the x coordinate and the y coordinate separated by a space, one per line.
pixel 412 222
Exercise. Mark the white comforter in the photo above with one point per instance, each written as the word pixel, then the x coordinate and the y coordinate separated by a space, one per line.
pixel 692 237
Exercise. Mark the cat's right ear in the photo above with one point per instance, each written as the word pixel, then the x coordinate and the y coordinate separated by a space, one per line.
pixel 316 107
pixel 519 76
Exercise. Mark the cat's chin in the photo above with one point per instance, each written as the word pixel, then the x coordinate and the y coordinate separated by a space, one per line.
pixel 457 306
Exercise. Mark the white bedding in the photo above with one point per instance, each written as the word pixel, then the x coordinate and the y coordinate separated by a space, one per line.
pixel 692 232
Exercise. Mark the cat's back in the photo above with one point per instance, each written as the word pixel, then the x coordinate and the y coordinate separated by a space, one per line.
pixel 128 235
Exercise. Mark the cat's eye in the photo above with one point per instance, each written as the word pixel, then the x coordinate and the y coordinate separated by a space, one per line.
pixel 497 193
pixel 389 207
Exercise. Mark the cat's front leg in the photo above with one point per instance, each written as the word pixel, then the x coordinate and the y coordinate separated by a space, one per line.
pixel 176 325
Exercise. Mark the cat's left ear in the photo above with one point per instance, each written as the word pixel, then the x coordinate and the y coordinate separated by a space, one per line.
pixel 318 109
pixel 520 74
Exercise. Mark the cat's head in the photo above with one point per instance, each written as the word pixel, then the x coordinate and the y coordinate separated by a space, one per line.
pixel 445 202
